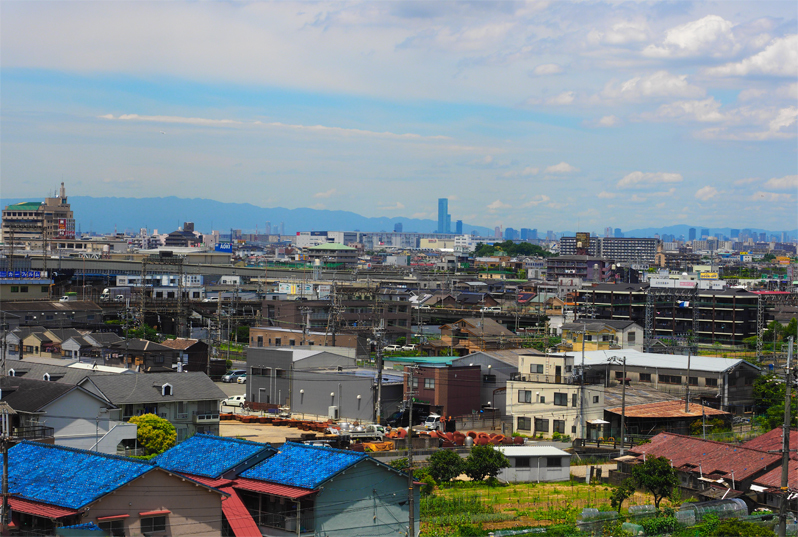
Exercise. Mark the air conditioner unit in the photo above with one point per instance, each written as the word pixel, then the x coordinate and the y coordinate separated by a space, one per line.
pixel 332 412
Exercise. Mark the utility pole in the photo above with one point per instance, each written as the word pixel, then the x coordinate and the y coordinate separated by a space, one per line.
pixel 378 409
pixel 582 387
pixel 410 493
pixel 5 440
pixel 623 405
pixel 687 393
pixel 785 444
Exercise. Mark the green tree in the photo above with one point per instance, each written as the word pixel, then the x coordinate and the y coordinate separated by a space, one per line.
pixel 147 332
pixel 656 476
pixel 401 464
pixel 445 465
pixel 484 461
pixel 242 333
pixel 155 434
pixel 621 493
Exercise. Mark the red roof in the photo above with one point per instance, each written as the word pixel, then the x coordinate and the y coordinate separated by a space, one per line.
pixel 39 509
pixel 667 409
pixel 771 441
pixel 705 456
pixel 209 481
pixel 237 515
pixel 271 488
pixel 772 479
pixel 155 513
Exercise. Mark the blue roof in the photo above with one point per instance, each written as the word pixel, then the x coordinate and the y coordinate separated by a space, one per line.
pixel 209 456
pixel 300 465
pixel 88 526
pixel 67 477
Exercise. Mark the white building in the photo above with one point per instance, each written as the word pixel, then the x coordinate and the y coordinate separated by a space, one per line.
pixel 535 464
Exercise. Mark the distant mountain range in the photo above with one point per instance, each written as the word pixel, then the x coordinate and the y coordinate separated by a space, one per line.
pixel 103 215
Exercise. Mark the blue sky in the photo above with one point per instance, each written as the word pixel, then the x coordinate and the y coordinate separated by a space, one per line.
pixel 536 114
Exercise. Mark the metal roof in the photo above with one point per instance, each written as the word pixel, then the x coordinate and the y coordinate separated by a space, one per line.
pixel 210 456
pixel 331 246
pixel 532 451
pixel 635 358
pixel 668 409
pixel 146 387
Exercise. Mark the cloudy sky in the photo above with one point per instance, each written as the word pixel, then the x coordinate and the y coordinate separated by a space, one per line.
pixel 550 115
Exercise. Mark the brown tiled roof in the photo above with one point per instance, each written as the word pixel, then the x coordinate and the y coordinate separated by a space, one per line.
pixel 695 455
pixel 773 478
pixel 179 343
pixel 668 409
pixel 771 441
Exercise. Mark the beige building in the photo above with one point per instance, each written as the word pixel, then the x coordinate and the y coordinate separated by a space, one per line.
pixel 547 398
pixel 285 337
pixel 28 224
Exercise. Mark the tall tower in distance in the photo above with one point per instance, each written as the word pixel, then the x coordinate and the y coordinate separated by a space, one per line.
pixel 444 219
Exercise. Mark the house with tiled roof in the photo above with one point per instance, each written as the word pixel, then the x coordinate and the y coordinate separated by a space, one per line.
pixel 705 468
pixel 772 441
pixel 193 353
pixel 54 486
pixel 298 490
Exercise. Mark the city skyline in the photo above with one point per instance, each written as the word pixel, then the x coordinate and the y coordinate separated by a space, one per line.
pixel 581 116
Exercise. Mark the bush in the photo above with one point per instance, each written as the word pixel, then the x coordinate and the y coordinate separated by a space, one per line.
pixel 660 525
pixel 154 434
pixel 428 486
pixel 401 464
pixel 734 527
pixel 484 461
pixel 445 465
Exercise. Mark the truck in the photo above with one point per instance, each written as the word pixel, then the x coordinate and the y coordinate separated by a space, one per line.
pixel 115 294
pixel 358 432
pixel 401 417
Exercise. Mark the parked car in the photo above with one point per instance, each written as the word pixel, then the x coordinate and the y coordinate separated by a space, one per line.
pixel 491 309
pixel 242 379
pixel 392 348
pixel 409 347
pixel 232 376
pixel 432 422
pixel 235 400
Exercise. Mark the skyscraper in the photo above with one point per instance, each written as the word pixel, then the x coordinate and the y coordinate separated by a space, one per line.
pixel 618 233
pixel 704 233
pixel 443 215
pixel 397 227
pixel 691 234
pixel 458 227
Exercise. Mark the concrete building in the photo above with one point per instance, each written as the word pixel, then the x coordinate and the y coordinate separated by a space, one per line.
pixel 588 268
pixel 535 464
pixel 637 251
pixel 24 285
pixel 333 254
pixel 30 224
pixel 309 239
pixel 594 335
pixel 284 337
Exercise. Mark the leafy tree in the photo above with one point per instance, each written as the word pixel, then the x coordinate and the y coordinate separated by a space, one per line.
pixel 401 464
pixel 147 332
pixel 735 527
pixel 445 465
pixel 656 476
pixel 622 492
pixel 242 334
pixel 484 461
pixel 155 434
pixel 769 396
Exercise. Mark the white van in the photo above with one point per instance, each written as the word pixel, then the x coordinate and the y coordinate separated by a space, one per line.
pixel 432 423
pixel 491 309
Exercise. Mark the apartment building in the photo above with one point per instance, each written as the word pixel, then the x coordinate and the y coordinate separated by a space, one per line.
pixel 30 223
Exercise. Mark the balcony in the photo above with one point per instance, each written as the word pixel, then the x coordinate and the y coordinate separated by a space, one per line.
pixel 208 418
pixel 546 379
pixel 33 432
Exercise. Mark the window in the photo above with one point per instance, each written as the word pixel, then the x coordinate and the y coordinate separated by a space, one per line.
pixel 522 462
pixel 524 396
pixel 541 425
pixel 559 426
pixel 645 377
pixel 429 384
pixel 569 368
pixel 536 368
pixel 618 375
pixel 23 289
pixel 291 342
pixel 595 398
pixel 113 528
pixel 489 379
pixel 670 379
pixel 553 462
pixel 278 341
pixel 711 382
pixel 153 524
pixel 524 424
pixel 15 288
pixel 561 399
pixel 574 399
pixel 542 399
pixel 415 382
pixel 693 381
pixel 166 389
pixel 45 289
pixel 260 341
pixel 630 337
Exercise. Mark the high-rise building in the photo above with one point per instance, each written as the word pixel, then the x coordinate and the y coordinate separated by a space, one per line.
pixel 704 233
pixel 458 227
pixel 691 234
pixel 33 223
pixel 497 232
pixel 397 227
pixel 762 237
pixel 510 234
pixel 268 229
pixel 549 235
pixel 444 220
pixel 618 233
pixel 525 233
pixel 282 228
pixel 735 233
pixel 533 234
pixel 608 232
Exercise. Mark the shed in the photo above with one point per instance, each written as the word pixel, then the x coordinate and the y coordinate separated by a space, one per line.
pixel 535 463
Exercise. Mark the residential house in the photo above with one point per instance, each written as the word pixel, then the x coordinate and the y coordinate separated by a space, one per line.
pixel 663 416
pixel 595 335
pixel 193 353
pixel 547 398
pixel 55 314
pixel 705 469
pixel 530 464
pixel 143 355
pixel 453 388
pixel 54 486
pixel 190 401
pixel 473 334
pixel 67 414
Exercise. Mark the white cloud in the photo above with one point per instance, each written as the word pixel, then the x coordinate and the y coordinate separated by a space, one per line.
pixel 231 122
pixel 608 121
pixel 537 200
pixel 497 205
pixel 607 195
pixel 657 85
pixel 770 197
pixel 747 181
pixel 399 206
pixel 562 167
pixel 621 33
pixel 638 179
pixel 755 124
pixel 484 161
pixel 638 199
pixel 706 193
pixel 780 58
pixel 325 195
pixel 529 170
pixel 788 182
pixel 566 97
pixel 711 35
pixel 707 110
pixel 547 69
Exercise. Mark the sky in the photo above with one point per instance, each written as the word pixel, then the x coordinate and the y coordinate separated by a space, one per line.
pixel 548 115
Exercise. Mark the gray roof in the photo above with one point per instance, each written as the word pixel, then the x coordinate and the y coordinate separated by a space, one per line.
pixel 635 358
pixel 146 388
pixel 64 333
pixel 532 451
pixel 102 339
pixel 595 325
pixel 58 373
pixel 28 395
